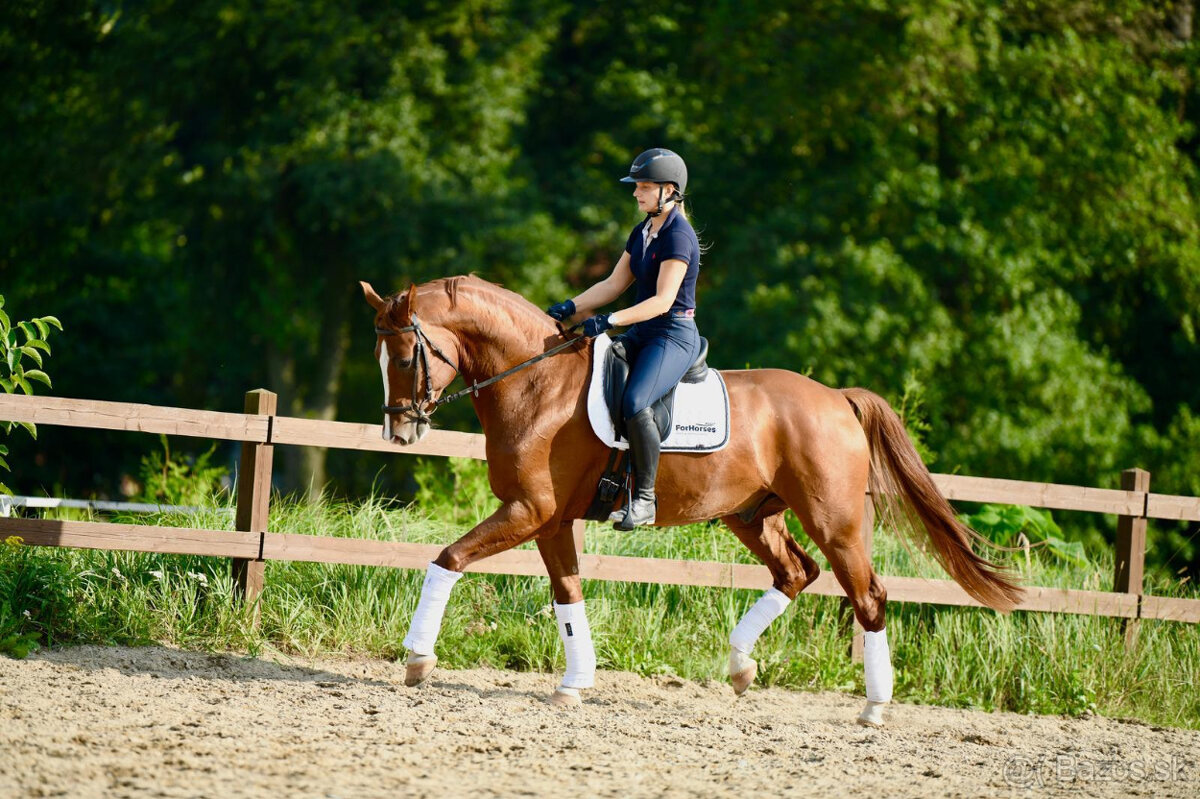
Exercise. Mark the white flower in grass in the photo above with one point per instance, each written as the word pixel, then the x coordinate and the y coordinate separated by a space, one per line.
pixel 27 614
pixel 157 575
pixel 117 573
pixel 199 577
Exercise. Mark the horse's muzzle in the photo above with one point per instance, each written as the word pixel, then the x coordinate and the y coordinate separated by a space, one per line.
pixel 408 432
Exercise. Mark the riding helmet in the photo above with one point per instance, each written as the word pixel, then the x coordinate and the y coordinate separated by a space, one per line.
pixel 658 166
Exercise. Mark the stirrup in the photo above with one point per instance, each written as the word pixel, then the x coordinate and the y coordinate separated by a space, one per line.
pixel 631 521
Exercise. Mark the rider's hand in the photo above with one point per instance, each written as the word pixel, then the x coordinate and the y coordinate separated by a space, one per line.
pixel 595 325
pixel 562 310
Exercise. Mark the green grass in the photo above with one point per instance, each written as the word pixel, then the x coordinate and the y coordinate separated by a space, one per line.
pixel 1024 662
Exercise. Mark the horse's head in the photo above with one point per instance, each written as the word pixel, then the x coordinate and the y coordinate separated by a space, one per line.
pixel 414 356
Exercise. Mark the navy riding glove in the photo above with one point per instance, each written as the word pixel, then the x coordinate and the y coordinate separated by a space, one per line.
pixel 595 325
pixel 562 310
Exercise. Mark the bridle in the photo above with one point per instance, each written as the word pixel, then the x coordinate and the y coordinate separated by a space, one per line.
pixel 424 344
pixel 421 356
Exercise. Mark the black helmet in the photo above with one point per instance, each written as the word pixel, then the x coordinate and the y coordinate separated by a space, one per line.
pixel 659 166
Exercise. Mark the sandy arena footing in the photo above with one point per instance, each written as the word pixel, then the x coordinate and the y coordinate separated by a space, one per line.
pixel 157 722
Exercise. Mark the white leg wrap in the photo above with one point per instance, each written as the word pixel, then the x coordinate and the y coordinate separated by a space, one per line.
pixel 877 663
pixel 427 621
pixel 768 608
pixel 577 641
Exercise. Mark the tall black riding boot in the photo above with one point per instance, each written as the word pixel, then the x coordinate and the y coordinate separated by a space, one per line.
pixel 644 447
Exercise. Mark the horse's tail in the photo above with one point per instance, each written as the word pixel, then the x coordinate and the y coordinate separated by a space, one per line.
pixel 905 497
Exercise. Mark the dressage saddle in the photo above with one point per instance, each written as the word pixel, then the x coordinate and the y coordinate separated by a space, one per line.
pixel 616 374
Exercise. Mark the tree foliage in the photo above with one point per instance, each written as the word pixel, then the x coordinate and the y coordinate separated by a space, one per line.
pixel 990 200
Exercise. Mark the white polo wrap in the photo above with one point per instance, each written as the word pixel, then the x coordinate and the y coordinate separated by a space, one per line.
pixel 577 641
pixel 877 664
pixel 766 610
pixel 427 621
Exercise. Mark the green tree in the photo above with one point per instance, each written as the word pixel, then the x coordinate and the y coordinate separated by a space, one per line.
pixel 991 200
pixel 990 197
pixel 271 158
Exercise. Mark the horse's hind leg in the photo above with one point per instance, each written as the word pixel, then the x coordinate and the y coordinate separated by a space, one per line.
pixel 562 564
pixel 834 523
pixel 791 570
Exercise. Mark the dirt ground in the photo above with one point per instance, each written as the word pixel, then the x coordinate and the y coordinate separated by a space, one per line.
pixel 118 722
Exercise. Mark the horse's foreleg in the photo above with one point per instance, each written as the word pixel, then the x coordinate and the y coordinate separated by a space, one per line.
pixel 427 623
pixel 791 570
pixel 562 564
pixel 510 525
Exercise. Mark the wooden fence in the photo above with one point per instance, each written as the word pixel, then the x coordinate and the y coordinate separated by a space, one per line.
pixel 252 544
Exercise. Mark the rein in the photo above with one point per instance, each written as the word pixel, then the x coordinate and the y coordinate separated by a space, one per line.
pixel 417 408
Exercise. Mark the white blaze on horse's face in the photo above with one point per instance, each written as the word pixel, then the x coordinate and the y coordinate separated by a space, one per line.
pixel 383 364
pixel 405 430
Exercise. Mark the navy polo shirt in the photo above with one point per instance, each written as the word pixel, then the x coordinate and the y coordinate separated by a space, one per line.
pixel 675 240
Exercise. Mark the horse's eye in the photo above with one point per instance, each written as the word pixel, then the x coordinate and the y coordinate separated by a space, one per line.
pixel 401 363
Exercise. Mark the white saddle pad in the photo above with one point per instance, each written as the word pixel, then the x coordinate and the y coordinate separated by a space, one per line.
pixel 700 419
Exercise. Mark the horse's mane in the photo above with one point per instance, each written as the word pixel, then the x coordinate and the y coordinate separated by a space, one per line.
pixel 498 302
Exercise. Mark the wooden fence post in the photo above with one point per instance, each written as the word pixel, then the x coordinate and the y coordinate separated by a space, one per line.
pixel 1130 560
pixel 577 529
pixel 254 499
pixel 851 622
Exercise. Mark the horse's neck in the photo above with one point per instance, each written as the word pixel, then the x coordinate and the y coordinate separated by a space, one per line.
pixel 490 332
pixel 497 332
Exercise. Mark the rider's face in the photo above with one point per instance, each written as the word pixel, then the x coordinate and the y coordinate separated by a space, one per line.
pixel 646 194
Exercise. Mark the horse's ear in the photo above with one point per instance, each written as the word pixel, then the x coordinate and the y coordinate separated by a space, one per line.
pixel 373 299
pixel 411 304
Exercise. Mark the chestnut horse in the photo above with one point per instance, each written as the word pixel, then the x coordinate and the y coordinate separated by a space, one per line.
pixel 794 444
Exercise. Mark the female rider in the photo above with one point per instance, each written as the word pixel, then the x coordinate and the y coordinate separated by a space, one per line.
pixel 663 256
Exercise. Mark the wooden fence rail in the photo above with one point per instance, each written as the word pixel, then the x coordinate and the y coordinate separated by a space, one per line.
pixel 252 544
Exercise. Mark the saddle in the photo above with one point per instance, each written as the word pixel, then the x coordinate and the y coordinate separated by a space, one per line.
pixel 702 424
pixel 616 375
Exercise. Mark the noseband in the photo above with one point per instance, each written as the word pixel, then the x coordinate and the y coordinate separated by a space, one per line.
pixel 425 343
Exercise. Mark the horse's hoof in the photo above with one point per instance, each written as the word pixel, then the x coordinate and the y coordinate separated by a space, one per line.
pixel 742 671
pixel 419 669
pixel 872 715
pixel 565 697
